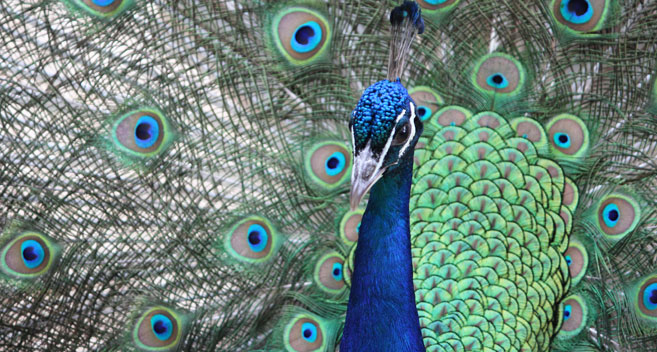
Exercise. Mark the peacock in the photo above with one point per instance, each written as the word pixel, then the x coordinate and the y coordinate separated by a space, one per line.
pixel 313 175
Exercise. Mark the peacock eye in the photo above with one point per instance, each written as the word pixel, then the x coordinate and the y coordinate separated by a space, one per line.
pixel 618 215
pixel 305 333
pixel 252 240
pixel 158 329
pixel 574 317
pixel 142 133
pixel 29 255
pixel 427 100
pixel 646 298
pixel 581 16
pixel 300 35
pixel 402 134
pixel 103 9
pixel 329 273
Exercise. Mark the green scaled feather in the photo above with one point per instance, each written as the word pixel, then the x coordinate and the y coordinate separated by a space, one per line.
pixel 481 201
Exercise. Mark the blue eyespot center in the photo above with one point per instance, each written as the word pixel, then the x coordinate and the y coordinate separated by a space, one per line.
pixel 309 331
pixel 306 37
pixel 650 296
pixel 562 140
pixel 33 253
pixel 103 3
pixel 335 164
pixel 610 215
pixel 497 81
pixel 162 326
pixel 147 132
pixel 577 11
pixel 254 238
pixel 423 112
pixel 567 311
pixel 337 271
pixel 332 163
pixel 257 238
pixel 578 7
pixel 569 260
pixel 434 2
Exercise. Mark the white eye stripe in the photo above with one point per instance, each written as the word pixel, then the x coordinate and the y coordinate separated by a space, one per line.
pixel 410 138
pixel 353 140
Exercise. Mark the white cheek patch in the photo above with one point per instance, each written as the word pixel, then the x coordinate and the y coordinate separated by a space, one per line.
pixel 410 138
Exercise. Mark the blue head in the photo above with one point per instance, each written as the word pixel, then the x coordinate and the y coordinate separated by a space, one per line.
pixel 384 130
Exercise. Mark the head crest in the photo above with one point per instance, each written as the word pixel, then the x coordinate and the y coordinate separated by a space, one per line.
pixel 406 20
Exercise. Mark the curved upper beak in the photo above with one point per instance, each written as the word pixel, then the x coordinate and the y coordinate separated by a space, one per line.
pixel 365 172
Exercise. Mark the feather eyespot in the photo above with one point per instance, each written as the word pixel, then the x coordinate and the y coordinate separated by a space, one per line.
pixel 158 329
pixel 103 9
pixel 301 35
pixel 578 260
pixel 574 316
pixel 328 164
pixel 499 73
pixel 28 255
pixel 617 215
pixel 350 226
pixel 580 15
pixel 329 273
pixel 646 297
pixel 304 334
pixel 437 9
pixel 576 11
pixel 142 133
pixel 568 135
pixel 427 101
pixel 252 240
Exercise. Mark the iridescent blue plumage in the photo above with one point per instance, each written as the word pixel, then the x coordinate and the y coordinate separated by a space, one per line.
pixel 381 313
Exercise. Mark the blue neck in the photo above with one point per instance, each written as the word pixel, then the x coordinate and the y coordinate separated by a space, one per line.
pixel 381 314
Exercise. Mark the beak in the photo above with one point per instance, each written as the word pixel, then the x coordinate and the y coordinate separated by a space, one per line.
pixel 365 172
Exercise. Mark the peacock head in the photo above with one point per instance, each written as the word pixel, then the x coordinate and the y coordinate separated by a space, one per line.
pixel 384 130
